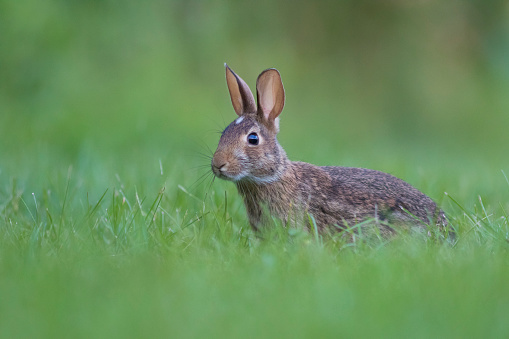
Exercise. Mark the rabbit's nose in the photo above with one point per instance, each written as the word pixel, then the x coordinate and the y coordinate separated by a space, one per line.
pixel 219 164
pixel 219 170
pixel 219 167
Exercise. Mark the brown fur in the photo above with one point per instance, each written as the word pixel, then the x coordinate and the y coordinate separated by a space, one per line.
pixel 335 196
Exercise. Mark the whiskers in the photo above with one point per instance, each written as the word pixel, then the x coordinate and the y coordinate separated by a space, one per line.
pixel 205 176
pixel 204 171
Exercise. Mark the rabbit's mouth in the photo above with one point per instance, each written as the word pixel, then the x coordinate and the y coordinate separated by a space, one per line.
pixel 217 172
pixel 222 172
pixel 229 177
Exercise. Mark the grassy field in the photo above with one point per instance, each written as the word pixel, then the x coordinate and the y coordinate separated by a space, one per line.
pixel 110 225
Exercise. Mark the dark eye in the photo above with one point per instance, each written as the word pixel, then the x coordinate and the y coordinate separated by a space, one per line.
pixel 252 138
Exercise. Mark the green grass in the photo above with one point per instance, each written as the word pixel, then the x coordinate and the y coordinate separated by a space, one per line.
pixel 109 224
pixel 133 262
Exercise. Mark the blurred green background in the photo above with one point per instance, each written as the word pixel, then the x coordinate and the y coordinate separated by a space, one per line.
pixel 105 103
pixel 404 87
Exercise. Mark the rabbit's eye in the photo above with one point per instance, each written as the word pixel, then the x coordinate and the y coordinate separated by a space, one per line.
pixel 252 138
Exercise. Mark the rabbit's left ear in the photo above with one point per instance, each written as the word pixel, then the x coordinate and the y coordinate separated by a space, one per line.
pixel 270 93
pixel 242 98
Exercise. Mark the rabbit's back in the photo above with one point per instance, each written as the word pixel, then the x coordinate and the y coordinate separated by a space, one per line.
pixel 348 195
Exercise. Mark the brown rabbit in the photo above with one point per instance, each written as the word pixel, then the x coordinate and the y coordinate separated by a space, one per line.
pixel 336 197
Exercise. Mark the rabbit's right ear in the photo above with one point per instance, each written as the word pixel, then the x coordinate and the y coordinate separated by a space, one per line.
pixel 242 97
pixel 271 94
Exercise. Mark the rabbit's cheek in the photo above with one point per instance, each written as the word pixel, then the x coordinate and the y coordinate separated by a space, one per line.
pixel 239 154
pixel 265 167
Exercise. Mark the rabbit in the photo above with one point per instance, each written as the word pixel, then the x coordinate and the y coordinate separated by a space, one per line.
pixel 329 197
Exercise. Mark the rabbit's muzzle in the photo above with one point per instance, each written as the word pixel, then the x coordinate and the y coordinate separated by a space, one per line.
pixel 223 168
pixel 218 167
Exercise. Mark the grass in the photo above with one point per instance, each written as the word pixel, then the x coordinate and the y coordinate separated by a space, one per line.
pixel 181 262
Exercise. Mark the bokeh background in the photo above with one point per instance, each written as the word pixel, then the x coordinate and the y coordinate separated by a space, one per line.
pixel 124 88
pixel 109 226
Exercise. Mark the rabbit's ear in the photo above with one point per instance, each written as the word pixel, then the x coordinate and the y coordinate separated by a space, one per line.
pixel 271 94
pixel 242 98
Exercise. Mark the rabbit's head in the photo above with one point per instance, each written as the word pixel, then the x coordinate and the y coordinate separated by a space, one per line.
pixel 248 148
